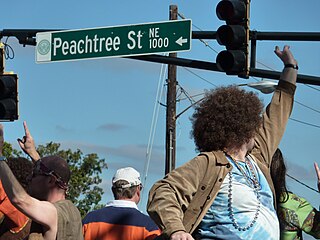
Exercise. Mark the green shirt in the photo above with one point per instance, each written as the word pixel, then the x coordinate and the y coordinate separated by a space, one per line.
pixel 297 215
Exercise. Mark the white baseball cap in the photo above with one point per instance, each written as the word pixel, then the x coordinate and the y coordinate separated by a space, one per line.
pixel 128 174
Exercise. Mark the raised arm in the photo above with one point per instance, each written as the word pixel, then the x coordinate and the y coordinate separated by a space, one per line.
pixel 289 73
pixel 27 144
pixel 277 113
pixel 28 205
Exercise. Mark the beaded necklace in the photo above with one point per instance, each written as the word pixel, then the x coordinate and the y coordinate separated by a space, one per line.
pixel 253 184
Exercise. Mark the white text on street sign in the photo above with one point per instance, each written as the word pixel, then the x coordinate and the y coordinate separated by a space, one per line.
pixel 118 41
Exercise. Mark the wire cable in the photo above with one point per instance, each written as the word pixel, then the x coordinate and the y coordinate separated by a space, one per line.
pixel 154 121
pixel 184 92
pixel 309 124
pixel 197 75
pixel 206 43
pixel 302 183
pixel 7 49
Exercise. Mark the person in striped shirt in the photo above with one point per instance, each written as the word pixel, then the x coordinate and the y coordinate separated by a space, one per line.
pixel 121 218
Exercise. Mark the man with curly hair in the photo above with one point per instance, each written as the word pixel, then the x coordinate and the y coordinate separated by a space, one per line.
pixel 226 192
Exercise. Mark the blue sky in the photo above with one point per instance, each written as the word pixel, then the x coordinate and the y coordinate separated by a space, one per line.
pixel 106 105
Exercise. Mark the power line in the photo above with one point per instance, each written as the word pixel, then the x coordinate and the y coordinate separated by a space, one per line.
pixel 189 97
pixel 206 43
pixel 315 110
pixel 202 78
pixel 309 124
pixel 302 183
pixel 314 88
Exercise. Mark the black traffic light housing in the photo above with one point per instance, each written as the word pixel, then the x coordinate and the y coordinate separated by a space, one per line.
pixel 8 97
pixel 235 36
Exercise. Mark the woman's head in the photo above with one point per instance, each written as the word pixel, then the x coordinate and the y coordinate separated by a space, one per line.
pixel 278 172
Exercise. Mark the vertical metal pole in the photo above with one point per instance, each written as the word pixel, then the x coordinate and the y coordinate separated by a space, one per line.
pixel 2 59
pixel 171 107
pixel 253 53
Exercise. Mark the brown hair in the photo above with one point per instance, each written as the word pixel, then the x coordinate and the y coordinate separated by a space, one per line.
pixel 278 172
pixel 227 118
pixel 21 168
pixel 123 193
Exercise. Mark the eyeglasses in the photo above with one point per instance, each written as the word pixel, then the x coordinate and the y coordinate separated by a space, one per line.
pixel 40 169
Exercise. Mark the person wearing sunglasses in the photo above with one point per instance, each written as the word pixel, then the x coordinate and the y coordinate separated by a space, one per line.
pixel 45 203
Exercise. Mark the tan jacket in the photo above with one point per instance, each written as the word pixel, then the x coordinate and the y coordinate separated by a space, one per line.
pixel 180 200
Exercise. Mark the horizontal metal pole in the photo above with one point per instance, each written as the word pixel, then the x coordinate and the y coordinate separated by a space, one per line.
pixel 24 32
pixel 306 79
pixel 289 36
pixel 204 34
pixel 179 62
pixel 257 35
pixel 24 36
pixel 254 72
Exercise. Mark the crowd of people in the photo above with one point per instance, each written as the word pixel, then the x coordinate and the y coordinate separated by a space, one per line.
pixel 234 189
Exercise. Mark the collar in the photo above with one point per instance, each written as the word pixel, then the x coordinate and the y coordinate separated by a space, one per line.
pixel 221 158
pixel 218 156
pixel 122 203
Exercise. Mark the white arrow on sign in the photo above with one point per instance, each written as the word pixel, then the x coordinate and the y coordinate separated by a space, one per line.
pixel 181 40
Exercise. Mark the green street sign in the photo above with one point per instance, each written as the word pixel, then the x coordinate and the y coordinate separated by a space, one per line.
pixel 118 41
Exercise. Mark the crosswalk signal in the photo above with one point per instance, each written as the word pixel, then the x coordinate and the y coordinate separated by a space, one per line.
pixel 235 36
pixel 8 97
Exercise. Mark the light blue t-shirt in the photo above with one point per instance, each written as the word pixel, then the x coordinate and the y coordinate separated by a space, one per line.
pixel 217 223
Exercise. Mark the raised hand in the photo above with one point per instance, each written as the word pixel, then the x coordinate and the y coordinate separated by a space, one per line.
pixel 285 55
pixel 27 144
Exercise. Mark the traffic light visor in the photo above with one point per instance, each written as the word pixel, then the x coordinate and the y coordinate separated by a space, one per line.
pixel 231 36
pixel 231 61
pixel 233 11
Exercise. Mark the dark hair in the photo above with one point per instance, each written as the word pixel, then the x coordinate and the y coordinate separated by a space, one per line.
pixel 227 118
pixel 59 166
pixel 21 168
pixel 123 193
pixel 278 172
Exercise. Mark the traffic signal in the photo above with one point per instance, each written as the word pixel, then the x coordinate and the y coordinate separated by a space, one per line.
pixel 235 36
pixel 8 97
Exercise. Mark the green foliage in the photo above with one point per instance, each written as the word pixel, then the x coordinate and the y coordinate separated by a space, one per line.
pixel 9 151
pixel 84 190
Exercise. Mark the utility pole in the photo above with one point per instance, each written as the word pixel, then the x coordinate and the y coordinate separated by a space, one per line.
pixel 171 106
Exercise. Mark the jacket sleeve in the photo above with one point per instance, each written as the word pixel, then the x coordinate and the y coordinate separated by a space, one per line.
pixel 170 197
pixel 274 122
